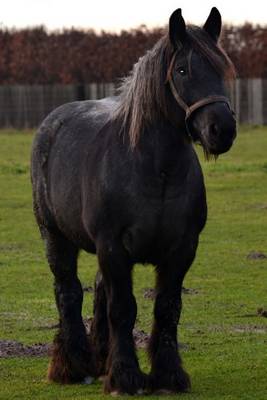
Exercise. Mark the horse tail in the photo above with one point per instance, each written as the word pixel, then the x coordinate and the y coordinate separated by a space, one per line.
pixel 41 148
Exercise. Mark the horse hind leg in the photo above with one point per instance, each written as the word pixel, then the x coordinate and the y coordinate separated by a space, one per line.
pixel 72 359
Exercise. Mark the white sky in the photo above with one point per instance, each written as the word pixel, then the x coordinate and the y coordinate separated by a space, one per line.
pixel 115 15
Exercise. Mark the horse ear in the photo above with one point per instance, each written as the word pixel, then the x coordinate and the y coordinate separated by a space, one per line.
pixel 177 29
pixel 213 25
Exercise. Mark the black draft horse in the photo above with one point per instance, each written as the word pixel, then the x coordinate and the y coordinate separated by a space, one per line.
pixel 119 177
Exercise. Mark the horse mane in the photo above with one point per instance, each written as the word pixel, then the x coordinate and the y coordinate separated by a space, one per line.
pixel 142 94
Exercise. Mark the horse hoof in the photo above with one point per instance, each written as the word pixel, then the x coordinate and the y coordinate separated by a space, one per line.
pixel 172 383
pixel 88 380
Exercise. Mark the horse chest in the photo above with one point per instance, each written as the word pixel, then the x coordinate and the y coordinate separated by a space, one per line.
pixel 159 223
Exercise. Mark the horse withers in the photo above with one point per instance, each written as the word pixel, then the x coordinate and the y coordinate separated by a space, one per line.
pixel 119 177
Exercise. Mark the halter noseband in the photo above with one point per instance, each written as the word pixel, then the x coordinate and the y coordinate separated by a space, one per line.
pixel 198 104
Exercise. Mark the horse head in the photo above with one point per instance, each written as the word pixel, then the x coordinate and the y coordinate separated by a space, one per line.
pixel 198 72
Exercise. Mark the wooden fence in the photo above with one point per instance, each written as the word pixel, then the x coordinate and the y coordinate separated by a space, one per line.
pixel 25 106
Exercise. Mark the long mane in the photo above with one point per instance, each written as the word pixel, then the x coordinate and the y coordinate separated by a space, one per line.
pixel 143 94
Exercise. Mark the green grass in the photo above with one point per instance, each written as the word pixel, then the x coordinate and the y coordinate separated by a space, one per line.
pixel 226 341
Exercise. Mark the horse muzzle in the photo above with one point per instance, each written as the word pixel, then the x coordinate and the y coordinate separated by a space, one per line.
pixel 214 126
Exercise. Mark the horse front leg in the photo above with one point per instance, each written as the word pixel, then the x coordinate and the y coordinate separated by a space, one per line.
pixel 167 373
pixel 99 335
pixel 123 372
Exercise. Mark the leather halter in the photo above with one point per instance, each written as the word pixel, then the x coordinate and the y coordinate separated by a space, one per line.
pixel 198 104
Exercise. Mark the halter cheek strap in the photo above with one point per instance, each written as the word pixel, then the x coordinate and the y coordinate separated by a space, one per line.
pixel 198 104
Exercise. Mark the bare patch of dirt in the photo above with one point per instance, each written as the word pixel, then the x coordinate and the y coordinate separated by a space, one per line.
pixel 260 206
pixel 47 327
pixel 262 312
pixel 87 323
pixel 189 291
pixel 141 338
pixel 249 329
pixel 11 348
pixel 149 293
pixel 88 289
pixel 247 315
pixel 10 247
pixel 256 255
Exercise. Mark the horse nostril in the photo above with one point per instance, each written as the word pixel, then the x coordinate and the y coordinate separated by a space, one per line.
pixel 214 130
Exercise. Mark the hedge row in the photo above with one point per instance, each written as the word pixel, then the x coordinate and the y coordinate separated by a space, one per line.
pixel 75 56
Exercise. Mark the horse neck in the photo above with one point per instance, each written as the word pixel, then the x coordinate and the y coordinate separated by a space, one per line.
pixel 168 146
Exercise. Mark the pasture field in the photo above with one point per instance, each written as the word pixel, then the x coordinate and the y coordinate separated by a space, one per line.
pixel 222 331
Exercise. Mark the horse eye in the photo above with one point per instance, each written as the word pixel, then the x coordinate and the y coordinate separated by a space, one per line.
pixel 181 70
